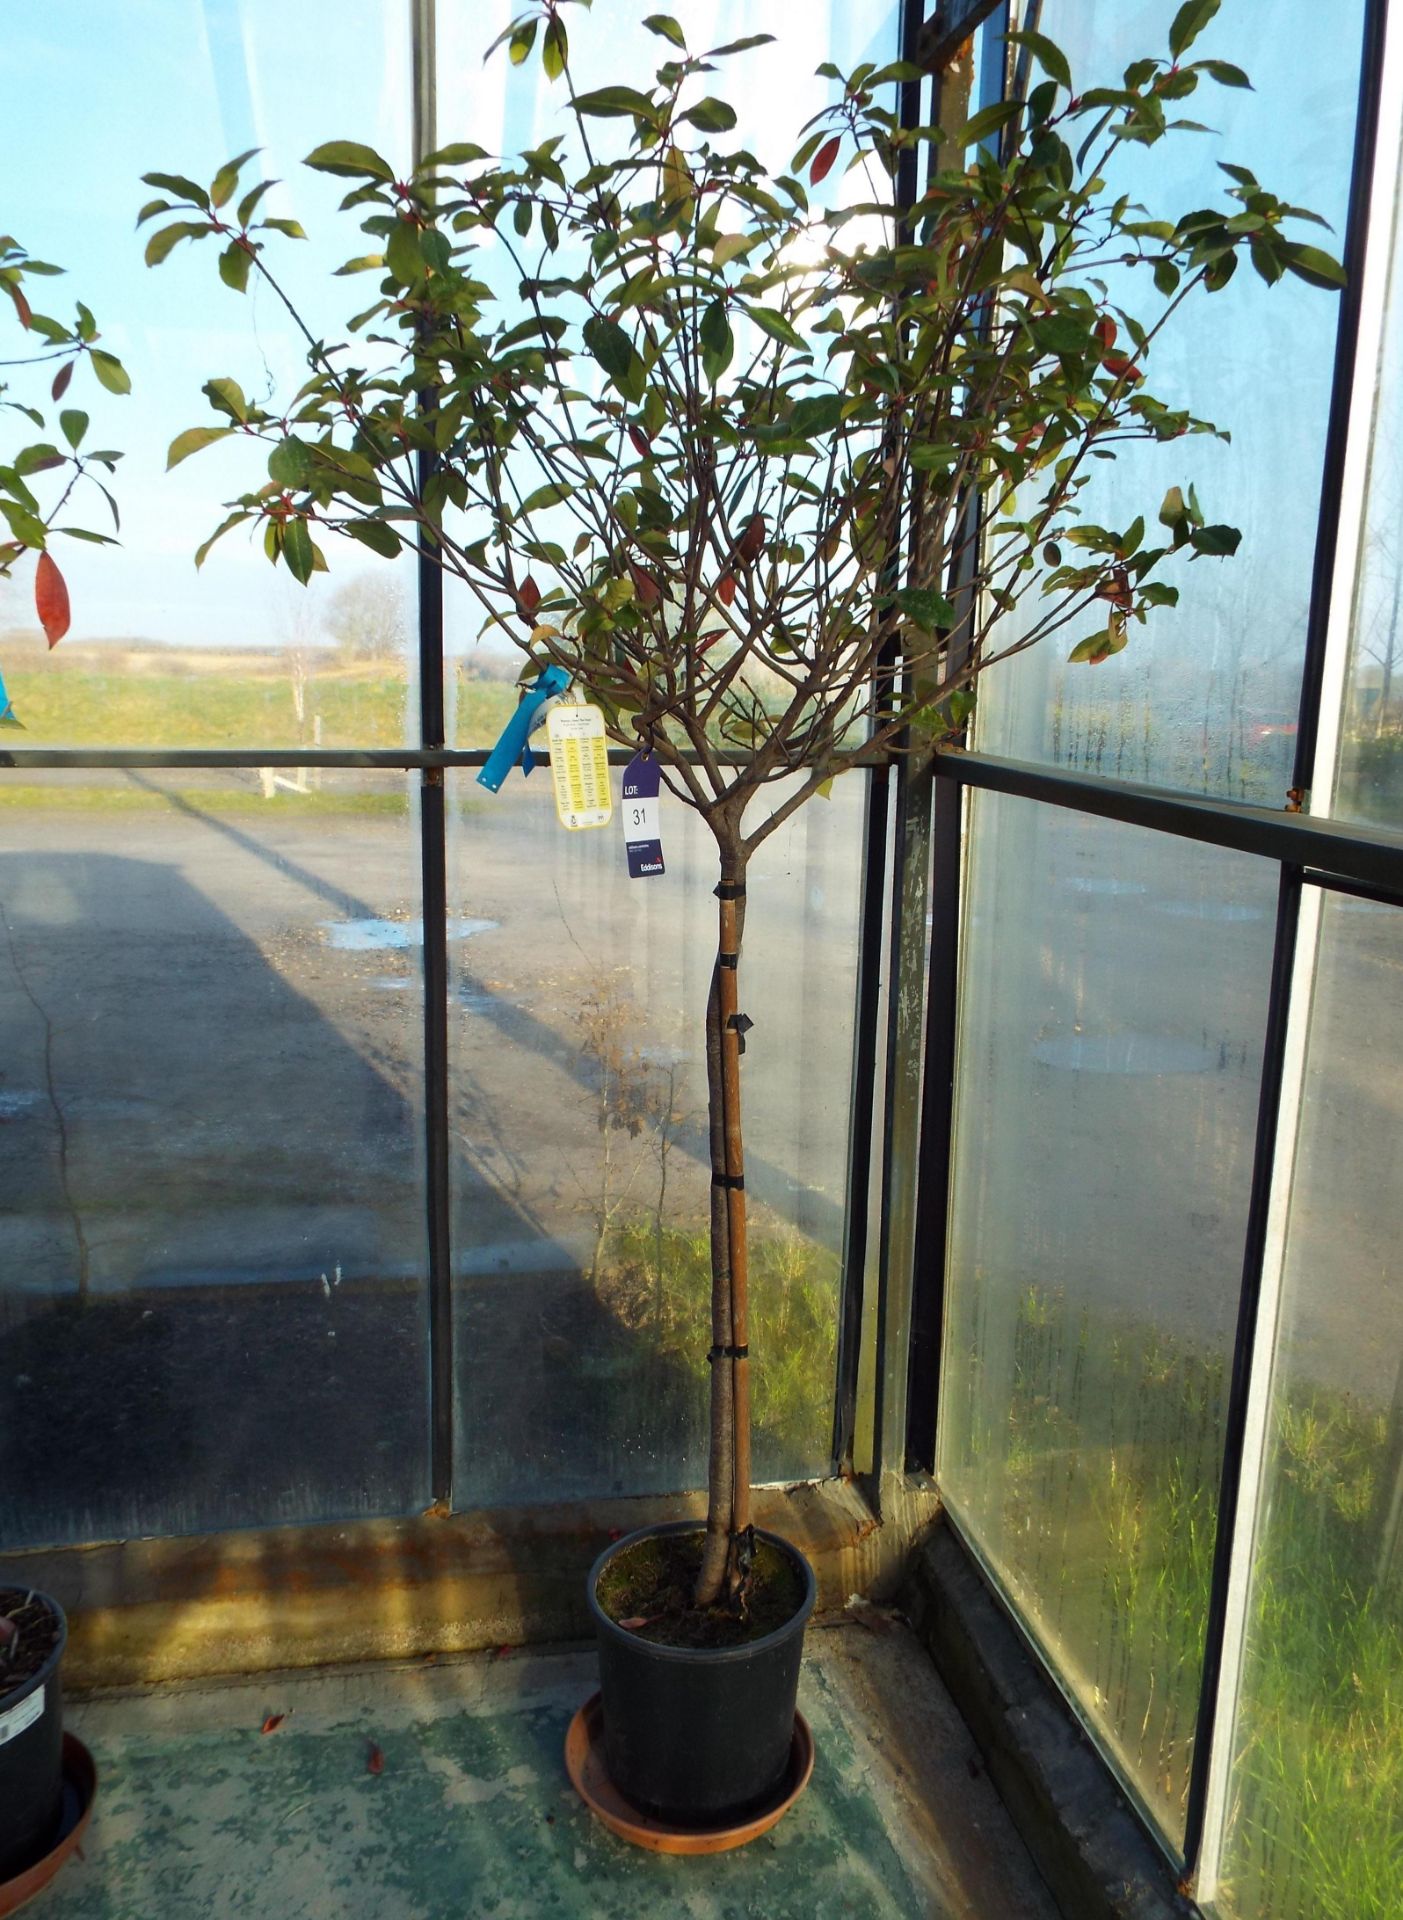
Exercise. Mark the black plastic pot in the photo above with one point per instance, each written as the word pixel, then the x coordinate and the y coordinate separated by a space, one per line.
pixel 698 1736
pixel 31 1760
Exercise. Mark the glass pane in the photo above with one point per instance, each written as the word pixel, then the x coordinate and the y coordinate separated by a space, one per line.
pixel 1206 696
pixel 212 1309
pixel 236 653
pixel 1317 1790
pixel 1369 784
pixel 582 1179
pixel 1114 1005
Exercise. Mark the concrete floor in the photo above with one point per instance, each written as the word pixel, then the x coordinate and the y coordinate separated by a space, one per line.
pixel 201 1815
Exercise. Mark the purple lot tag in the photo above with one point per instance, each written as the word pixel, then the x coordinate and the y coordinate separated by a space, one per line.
pixel 640 817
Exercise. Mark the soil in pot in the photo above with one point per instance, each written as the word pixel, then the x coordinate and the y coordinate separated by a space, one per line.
pixel 647 1588
pixel 28 1635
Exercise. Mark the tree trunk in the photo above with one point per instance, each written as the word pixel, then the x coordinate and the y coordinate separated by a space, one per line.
pixel 727 1552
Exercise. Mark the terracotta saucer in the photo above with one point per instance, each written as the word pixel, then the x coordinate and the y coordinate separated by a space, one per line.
pixel 79 1792
pixel 584 1762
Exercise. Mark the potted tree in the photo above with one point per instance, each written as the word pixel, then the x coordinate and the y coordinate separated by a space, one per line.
pixel 763 463
pixel 37 482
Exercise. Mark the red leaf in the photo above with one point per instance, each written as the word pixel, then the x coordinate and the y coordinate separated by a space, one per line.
pixel 824 158
pixel 503 1653
pixel 51 599
pixel 636 1621
pixel 374 1759
pixel 1121 368
pixel 753 539
pixel 529 595
pixel 642 445
pixel 645 586
pixel 726 589
pixel 22 306
pixel 61 380
pixel 1106 332
pixel 273 1722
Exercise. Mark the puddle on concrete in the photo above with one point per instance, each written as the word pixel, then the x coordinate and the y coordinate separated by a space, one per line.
pixel 373 936
pixel 13 1104
pixel 1138 1053
pixel 1085 883
pixel 395 983
pixel 1225 911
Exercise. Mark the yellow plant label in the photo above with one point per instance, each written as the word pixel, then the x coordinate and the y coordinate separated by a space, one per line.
pixel 579 764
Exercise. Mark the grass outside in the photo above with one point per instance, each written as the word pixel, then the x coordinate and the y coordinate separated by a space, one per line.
pixel 85 702
pixel 1111 1457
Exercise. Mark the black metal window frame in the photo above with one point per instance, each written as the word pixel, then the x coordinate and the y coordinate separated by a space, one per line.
pixel 1309 849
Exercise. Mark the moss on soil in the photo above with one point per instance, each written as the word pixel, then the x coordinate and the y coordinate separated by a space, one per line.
pixel 652 1581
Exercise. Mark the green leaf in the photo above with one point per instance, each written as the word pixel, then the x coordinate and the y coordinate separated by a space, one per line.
pixel 290 464
pixel 521 39
pixel 616 353
pixel 350 160
pixel 712 116
pixel 364 263
pixel 1166 276
pixel 27 527
pixel 777 327
pixel 248 206
pixel 1216 541
pixel 1131 539
pixel 664 24
pixel 378 535
pixel 234 520
pixel 1094 648
pixel 989 120
pixel 1048 54
pixel 177 184
pixel 151 209
pixel 40 458
pixel 162 242
pixel 292 228
pixel 1314 265
pixel 403 255
pixel 555 48
pixel 234 264
pixel 227 178
pixel 930 611
pixel 1172 508
pixel 226 396
pixel 1225 73
pixel 462 153
pixel 110 371
pixel 730 246
pixel 298 550
pixel 616 103
pixel 1189 23
pixel 191 441
pixel 547 496
pixel 716 340
pixel 819 413
pixel 74 423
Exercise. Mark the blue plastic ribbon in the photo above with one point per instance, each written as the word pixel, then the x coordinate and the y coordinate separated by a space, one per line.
pixel 8 716
pixel 513 745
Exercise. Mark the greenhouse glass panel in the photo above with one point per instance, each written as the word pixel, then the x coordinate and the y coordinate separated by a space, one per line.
pixel 1316 1794
pixel 581 1169
pixel 1113 1015
pixel 234 654
pixel 1206 696
pixel 212 1306
pixel 1369 777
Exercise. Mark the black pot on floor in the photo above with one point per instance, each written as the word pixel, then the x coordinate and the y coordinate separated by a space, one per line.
pixel 699 1736
pixel 31 1757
